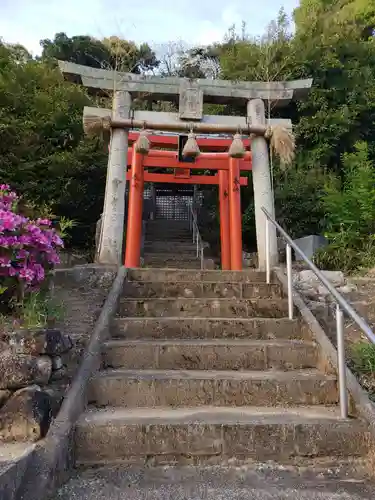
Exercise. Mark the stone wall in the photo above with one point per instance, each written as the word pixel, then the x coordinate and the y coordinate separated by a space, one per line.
pixel 37 367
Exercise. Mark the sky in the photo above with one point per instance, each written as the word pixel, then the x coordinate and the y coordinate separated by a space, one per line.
pixel 154 21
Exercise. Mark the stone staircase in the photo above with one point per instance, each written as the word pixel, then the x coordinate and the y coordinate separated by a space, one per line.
pixel 204 367
pixel 168 244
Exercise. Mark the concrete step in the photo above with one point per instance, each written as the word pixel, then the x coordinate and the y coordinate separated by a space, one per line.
pixel 210 354
pixel 207 328
pixel 219 308
pixel 168 236
pixel 171 257
pixel 181 289
pixel 215 435
pixel 155 262
pixel 174 255
pixel 178 224
pixel 248 276
pixel 155 388
pixel 174 248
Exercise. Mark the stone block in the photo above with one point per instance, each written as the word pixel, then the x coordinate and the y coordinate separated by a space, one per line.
pixel 210 354
pixel 207 328
pixel 308 279
pixel 26 416
pixel 221 308
pixel 4 396
pixel 257 441
pixel 132 389
pixel 248 276
pixel 97 443
pixel 192 440
pixel 159 289
pixel 179 436
pixel 20 370
pixel 57 343
pixel 140 356
pixel 291 356
pixel 309 245
pixel 261 290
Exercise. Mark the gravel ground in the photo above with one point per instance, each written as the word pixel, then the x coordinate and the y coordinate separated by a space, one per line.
pixel 261 482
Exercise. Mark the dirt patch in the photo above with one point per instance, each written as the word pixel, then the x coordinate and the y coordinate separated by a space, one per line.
pixel 81 302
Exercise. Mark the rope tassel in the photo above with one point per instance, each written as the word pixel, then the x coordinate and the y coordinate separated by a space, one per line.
pixel 191 148
pixel 142 144
pixel 282 143
pixel 237 148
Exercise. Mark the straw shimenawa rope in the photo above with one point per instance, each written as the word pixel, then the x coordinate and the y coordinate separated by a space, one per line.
pixel 94 126
pixel 237 148
pixel 281 139
pixel 142 144
pixel 282 143
pixel 191 148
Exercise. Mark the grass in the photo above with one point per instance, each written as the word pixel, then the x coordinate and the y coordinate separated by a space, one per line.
pixel 363 358
pixel 37 310
pixel 362 363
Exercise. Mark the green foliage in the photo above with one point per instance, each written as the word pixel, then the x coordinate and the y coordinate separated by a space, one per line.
pixel 331 47
pixel 298 203
pixel 267 58
pixel 363 358
pixel 333 43
pixel 112 52
pixel 126 56
pixel 43 154
pixel 83 50
pixel 350 215
pixel 39 309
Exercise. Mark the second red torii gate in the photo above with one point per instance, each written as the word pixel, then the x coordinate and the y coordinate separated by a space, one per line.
pixel 227 178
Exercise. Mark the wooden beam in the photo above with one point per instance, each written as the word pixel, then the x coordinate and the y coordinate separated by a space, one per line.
pixel 193 179
pixel 205 161
pixel 215 91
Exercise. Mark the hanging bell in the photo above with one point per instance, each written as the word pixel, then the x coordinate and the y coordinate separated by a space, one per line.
pixel 191 148
pixel 142 144
pixel 237 148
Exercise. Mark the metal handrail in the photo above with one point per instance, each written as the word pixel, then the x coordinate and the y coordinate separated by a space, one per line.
pixel 197 238
pixel 341 303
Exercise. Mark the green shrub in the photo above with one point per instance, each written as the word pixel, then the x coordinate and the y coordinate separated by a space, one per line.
pixel 350 215
pixel 298 203
pixel 363 358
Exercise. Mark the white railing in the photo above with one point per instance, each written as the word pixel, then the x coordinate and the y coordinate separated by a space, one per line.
pixel 197 238
pixel 341 304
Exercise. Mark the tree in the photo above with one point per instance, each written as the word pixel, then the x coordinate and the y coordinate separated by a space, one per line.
pixel 200 62
pixel 110 53
pixel 266 58
pixel 126 56
pixel 83 50
pixel 43 153
pixel 333 47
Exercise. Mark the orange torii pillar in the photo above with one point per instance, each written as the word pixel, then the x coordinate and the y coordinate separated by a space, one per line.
pixel 135 208
pixel 235 222
pixel 224 219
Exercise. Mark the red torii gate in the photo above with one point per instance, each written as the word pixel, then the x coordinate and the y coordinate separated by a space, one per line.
pixel 213 157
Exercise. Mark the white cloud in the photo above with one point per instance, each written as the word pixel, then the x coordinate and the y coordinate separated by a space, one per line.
pixel 27 21
pixel 230 16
